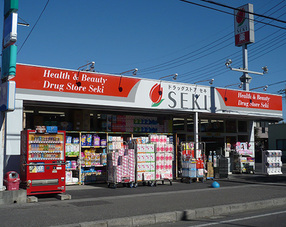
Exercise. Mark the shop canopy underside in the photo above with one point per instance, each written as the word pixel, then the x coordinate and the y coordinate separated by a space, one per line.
pixel 31 105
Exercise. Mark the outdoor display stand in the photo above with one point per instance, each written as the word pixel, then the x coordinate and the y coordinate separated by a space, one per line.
pixel 243 159
pixel 145 162
pixel 164 158
pixel 43 160
pixel 120 163
pixel 86 157
pixel 271 162
pixel 193 163
pixel 154 159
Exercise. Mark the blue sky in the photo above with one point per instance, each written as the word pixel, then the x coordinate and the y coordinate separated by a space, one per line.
pixel 159 38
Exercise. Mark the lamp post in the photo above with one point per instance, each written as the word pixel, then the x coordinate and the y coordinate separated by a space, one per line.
pixel 91 69
pixel 245 78
pixel 264 88
pixel 239 85
pixel 134 73
pixel 211 81
pixel 172 75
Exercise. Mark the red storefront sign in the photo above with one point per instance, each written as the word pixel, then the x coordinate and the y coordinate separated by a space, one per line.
pixel 253 100
pixel 80 82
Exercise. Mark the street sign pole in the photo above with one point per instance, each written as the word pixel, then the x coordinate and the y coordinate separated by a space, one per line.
pixel 245 78
pixel 8 70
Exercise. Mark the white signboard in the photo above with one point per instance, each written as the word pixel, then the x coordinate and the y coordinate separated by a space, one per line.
pixel 244 25
pixel 7 99
pixel 10 30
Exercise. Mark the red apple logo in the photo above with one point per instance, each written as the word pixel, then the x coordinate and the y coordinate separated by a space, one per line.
pixel 240 16
pixel 156 94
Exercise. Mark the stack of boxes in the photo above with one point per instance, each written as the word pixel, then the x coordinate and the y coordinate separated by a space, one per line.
pixel 145 162
pixel 115 143
pixel 121 166
pixel 164 157
pixel 210 170
pixel 189 168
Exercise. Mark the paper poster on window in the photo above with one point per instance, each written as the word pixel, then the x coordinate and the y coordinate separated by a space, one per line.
pixel 243 149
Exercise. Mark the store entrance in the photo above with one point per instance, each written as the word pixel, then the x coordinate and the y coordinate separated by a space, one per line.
pixel 214 144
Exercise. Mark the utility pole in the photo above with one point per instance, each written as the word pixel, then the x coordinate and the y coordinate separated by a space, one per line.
pixel 245 78
pixel 8 70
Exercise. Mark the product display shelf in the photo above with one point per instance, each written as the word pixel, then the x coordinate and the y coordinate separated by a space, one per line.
pixel 90 173
pixel 193 163
pixel 121 161
pixel 154 157
pixel 145 164
pixel 243 163
pixel 93 157
pixel 72 158
pixel 271 162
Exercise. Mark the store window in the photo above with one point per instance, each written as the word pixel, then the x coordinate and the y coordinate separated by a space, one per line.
pixel 216 126
pixel 190 125
pixel 204 125
pixel 242 126
pixel 242 138
pixel 178 124
pixel 281 144
pixel 230 126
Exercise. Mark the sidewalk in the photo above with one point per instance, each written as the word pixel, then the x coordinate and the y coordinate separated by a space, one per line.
pixel 97 205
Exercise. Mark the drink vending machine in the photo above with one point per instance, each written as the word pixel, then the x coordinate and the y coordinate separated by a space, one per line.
pixel 43 161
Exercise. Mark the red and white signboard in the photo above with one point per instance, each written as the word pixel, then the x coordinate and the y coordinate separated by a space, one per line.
pixel 37 83
pixel 79 82
pixel 250 100
pixel 244 25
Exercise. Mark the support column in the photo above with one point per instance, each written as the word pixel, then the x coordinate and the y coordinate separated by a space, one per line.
pixel 196 130
pixel 2 146
pixel 245 78
pixel 252 137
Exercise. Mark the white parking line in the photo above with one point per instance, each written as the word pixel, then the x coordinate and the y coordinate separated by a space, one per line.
pixel 240 219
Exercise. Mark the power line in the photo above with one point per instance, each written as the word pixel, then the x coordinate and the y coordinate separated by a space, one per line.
pixel 33 27
pixel 174 62
pixel 256 51
pixel 256 14
pixel 189 2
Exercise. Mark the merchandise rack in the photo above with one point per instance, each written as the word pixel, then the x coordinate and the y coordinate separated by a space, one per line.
pixel 145 164
pixel 271 162
pixel 193 168
pixel 156 155
pixel 88 171
pixel 120 164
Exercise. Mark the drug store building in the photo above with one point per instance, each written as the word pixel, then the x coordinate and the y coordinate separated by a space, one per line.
pixel 130 106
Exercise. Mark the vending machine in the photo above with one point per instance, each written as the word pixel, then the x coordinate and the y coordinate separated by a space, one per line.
pixel 43 160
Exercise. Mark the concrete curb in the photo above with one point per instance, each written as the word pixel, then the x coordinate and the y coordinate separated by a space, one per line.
pixel 145 220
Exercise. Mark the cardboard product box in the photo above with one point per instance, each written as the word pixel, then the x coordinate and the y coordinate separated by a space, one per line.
pixel 139 176
pixel 193 172
pixel 210 174
pixel 209 165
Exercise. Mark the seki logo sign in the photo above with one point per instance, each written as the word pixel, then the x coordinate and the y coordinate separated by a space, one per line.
pixel 240 17
pixel 156 94
pixel 244 25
